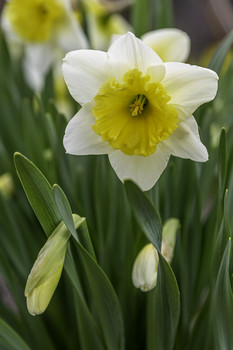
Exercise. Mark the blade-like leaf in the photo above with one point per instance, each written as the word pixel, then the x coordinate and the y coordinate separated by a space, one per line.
pixel 163 309
pixel 39 193
pixel 64 209
pixel 9 339
pixel 164 301
pixel 222 163
pixel 218 58
pixel 141 17
pixel 90 337
pixel 145 214
pixel 106 301
pixel 223 304
pixel 163 13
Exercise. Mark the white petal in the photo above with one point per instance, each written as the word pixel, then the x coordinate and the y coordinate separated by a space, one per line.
pixel 72 37
pixel 156 73
pixel 189 86
pixel 84 72
pixel 37 62
pixel 80 138
pixel 172 45
pixel 128 52
pixel 185 142
pixel 145 171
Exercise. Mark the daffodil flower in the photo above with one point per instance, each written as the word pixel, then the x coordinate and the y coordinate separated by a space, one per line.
pixel 47 28
pixel 171 44
pixel 103 22
pixel 135 108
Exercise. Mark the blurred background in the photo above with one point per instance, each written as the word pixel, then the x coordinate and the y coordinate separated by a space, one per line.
pixel 206 21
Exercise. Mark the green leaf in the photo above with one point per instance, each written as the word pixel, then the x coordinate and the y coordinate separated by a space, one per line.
pixel 145 214
pixel 163 309
pixel 10 339
pixel 223 304
pixel 89 333
pixel 140 16
pixel 164 301
pixel 226 217
pixel 64 209
pixel 163 13
pixel 66 214
pixel 218 58
pixel 39 193
pixel 222 163
pixel 105 300
pixel 90 337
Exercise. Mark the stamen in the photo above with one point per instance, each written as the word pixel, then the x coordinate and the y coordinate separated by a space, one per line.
pixel 138 105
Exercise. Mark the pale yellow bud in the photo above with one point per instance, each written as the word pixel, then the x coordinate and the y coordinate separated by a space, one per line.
pixel 170 230
pixel 144 274
pixel 46 271
pixel 6 185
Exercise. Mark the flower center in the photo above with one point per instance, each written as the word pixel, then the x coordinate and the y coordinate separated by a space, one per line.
pixel 34 20
pixel 137 106
pixel 134 116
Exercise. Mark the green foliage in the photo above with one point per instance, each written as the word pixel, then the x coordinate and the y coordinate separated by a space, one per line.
pixel 223 303
pixel 95 305
pixel 164 303
pixel 39 193
pixel 9 339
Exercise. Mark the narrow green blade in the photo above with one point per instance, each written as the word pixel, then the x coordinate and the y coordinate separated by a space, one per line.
pixel 218 58
pixel 39 193
pixel 145 214
pixel 106 301
pixel 164 301
pixel 9 339
pixel 223 304
pixel 163 309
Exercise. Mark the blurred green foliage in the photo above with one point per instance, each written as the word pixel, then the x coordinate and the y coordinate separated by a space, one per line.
pixel 200 195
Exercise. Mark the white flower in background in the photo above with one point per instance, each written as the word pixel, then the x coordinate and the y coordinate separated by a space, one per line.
pixel 171 44
pixel 103 22
pixel 47 28
pixel 135 108
pixel 145 268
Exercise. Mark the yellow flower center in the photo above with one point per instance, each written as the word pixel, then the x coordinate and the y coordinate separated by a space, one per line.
pixel 137 106
pixel 135 115
pixel 34 20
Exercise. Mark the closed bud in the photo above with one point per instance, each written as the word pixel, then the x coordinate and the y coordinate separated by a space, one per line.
pixel 46 271
pixel 144 274
pixel 6 185
pixel 170 230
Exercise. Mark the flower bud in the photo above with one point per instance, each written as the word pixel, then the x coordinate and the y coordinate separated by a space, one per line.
pixel 144 274
pixel 170 230
pixel 6 185
pixel 46 271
